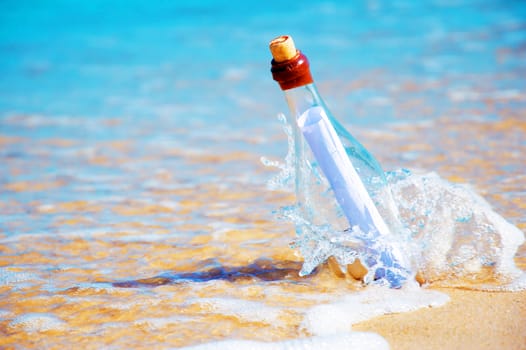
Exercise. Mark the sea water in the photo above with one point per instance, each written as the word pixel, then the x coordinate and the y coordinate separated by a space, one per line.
pixel 134 211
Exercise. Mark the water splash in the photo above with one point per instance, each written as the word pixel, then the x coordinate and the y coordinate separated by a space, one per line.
pixel 287 171
pixel 457 239
pixel 450 234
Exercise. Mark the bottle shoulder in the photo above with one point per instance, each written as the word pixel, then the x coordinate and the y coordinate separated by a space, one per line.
pixel 302 98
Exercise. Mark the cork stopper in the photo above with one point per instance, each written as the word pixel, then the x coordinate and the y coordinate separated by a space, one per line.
pixel 283 48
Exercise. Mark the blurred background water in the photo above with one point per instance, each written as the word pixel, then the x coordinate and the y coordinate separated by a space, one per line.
pixel 189 76
pixel 125 123
pixel 133 60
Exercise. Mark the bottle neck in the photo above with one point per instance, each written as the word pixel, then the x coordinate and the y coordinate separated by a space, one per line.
pixel 301 98
pixel 295 79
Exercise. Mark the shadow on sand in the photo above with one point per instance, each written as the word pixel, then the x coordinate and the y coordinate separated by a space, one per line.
pixel 261 269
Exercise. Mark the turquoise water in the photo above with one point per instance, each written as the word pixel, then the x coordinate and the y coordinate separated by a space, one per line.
pixel 131 135
pixel 134 60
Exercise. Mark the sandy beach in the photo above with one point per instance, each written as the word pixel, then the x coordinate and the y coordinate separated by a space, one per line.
pixel 471 320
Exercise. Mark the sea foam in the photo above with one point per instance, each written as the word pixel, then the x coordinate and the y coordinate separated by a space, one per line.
pixel 242 309
pixel 454 235
pixel 329 322
pixel 354 340
pixel 339 315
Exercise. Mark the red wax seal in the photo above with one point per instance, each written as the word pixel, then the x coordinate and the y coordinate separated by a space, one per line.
pixel 292 73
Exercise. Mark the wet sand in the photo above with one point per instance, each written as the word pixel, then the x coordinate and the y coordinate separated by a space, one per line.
pixel 471 320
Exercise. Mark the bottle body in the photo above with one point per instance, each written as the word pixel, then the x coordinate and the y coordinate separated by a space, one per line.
pixel 311 186
pixel 333 200
pixel 302 98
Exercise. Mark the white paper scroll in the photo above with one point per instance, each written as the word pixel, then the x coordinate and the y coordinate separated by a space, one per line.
pixel 348 188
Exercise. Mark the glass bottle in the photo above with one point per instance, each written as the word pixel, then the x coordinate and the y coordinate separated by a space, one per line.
pixel 335 181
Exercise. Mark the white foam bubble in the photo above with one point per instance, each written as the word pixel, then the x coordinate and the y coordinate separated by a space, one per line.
pixel 340 315
pixel 243 309
pixel 4 314
pixel 10 276
pixel 129 304
pixel 344 341
pixel 37 322
pixel 157 323
pixel 515 285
